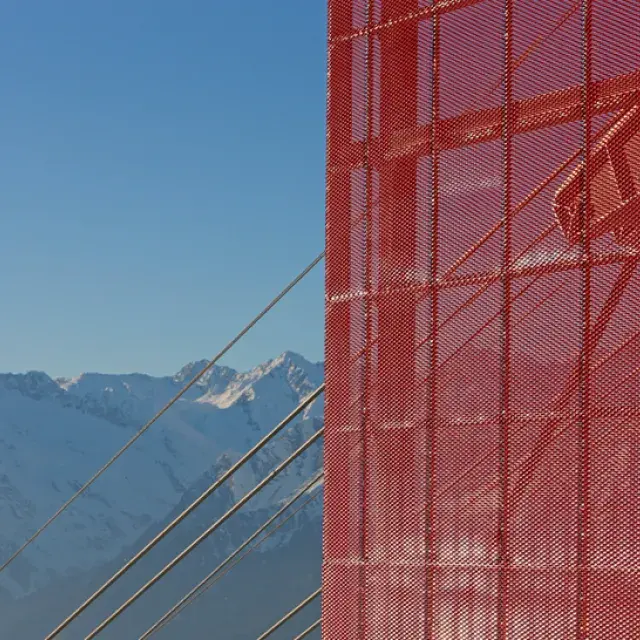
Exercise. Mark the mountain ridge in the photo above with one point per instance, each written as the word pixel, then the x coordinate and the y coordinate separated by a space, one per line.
pixel 55 433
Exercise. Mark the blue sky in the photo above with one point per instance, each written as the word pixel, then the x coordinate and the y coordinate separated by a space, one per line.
pixel 161 177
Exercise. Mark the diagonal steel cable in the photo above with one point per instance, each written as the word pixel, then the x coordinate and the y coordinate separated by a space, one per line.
pixel 202 537
pixel 194 505
pixel 212 578
pixel 285 618
pixel 162 411
pixel 309 629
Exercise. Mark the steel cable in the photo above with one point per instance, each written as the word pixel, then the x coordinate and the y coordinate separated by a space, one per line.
pixel 285 618
pixel 309 630
pixel 186 512
pixel 203 536
pixel 206 583
pixel 162 411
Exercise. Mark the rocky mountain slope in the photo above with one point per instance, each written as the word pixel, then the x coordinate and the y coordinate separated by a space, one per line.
pixel 54 434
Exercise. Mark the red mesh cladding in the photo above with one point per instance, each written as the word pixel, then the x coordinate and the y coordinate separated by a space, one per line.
pixel 483 320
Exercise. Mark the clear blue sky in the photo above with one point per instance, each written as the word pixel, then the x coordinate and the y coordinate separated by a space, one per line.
pixel 161 177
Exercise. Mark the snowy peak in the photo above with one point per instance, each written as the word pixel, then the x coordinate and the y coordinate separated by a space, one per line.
pixel 214 379
pixel 54 434
pixel 34 384
pixel 297 372
pixel 131 399
pixel 219 385
pixel 294 362
pixel 190 370
pixel 289 374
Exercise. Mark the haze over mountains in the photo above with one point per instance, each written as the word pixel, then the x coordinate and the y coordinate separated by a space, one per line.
pixel 54 434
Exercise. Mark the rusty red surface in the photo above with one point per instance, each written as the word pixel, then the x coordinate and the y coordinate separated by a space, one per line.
pixel 483 320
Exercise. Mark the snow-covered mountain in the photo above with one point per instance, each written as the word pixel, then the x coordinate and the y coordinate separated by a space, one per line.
pixel 54 434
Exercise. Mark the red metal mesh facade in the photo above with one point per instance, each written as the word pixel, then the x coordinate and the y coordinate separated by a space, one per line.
pixel 483 320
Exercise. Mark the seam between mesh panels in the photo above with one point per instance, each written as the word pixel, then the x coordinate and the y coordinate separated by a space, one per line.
pixel 439 8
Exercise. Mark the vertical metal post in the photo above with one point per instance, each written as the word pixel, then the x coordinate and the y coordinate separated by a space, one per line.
pixel 505 413
pixel 394 429
pixel 342 526
pixel 366 373
pixel 433 329
pixel 584 435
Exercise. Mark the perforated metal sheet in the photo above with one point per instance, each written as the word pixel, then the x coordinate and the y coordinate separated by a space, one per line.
pixel 483 320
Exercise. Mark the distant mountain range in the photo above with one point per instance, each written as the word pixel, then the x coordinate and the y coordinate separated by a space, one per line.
pixel 55 433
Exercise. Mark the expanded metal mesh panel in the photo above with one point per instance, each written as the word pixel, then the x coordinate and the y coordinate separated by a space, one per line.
pixel 483 320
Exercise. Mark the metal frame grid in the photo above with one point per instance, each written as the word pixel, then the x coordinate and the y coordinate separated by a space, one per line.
pixel 482 320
